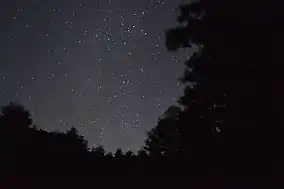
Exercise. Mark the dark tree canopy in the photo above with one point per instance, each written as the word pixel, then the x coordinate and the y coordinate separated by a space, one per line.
pixel 118 153
pixel 233 87
pixel 99 151
pixel 163 140
pixel 16 116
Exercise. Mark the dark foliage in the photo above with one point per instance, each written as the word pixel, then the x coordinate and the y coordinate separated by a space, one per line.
pixel 231 118
pixel 28 151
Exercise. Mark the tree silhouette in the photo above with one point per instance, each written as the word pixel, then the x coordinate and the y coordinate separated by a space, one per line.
pixel 28 150
pixel 225 109
pixel 15 137
pixel 99 151
pixel 109 155
pixel 25 149
pixel 163 144
pixel 15 116
pixel 163 140
pixel 77 140
pixel 142 153
pixel 129 154
pixel 225 101
pixel 118 153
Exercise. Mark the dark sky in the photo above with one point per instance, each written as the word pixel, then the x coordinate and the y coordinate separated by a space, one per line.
pixel 99 65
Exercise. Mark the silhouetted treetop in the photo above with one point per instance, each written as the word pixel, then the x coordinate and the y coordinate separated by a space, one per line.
pixel 118 153
pixel 142 153
pixel 163 140
pixel 99 151
pixel 16 116
pixel 129 154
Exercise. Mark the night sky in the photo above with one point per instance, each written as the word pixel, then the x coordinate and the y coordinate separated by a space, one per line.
pixel 98 65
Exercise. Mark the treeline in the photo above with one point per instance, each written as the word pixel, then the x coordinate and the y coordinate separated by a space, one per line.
pixel 26 150
pixel 229 121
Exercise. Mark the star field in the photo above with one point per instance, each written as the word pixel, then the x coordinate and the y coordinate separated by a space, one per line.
pixel 100 66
